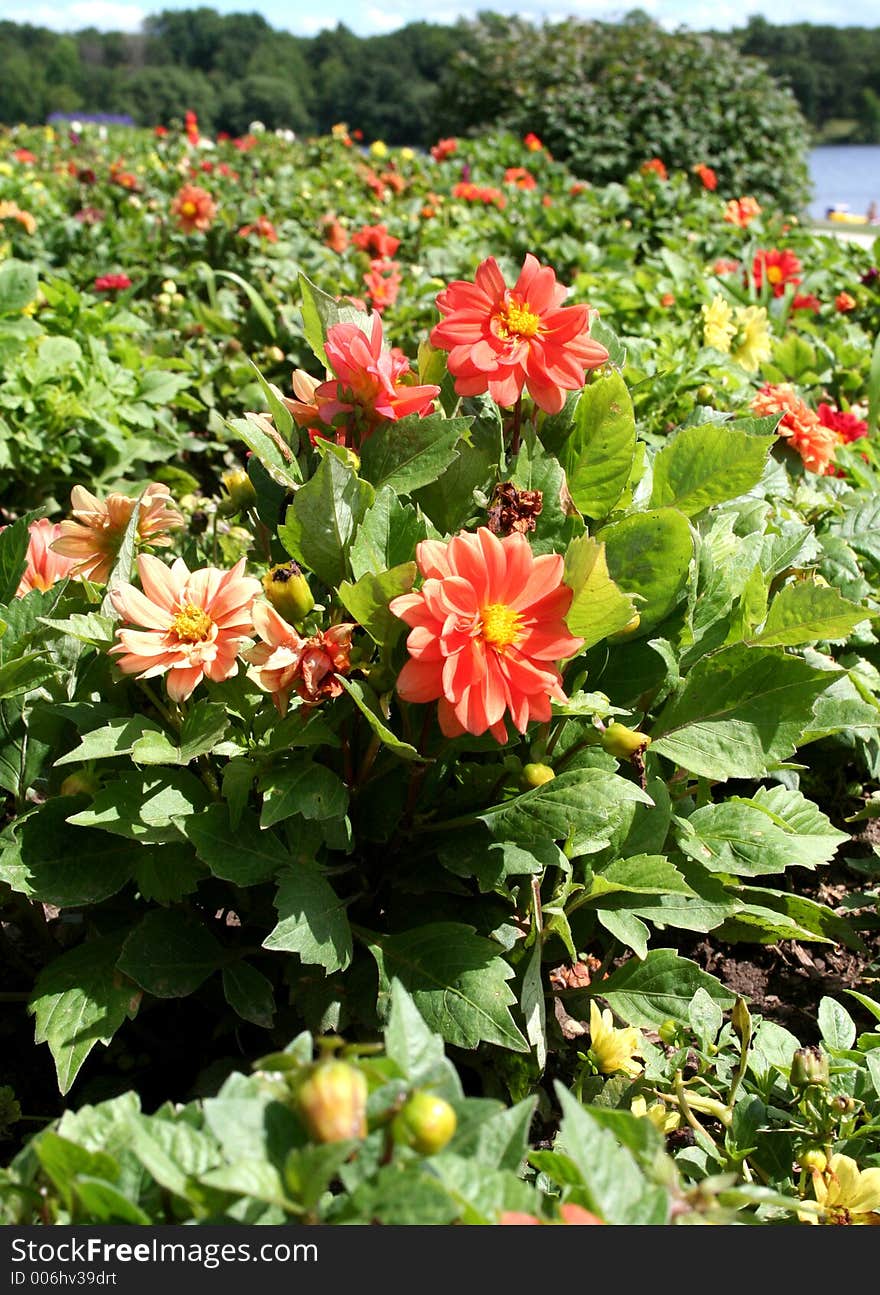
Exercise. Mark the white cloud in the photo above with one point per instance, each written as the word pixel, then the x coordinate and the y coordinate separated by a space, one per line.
pixel 106 15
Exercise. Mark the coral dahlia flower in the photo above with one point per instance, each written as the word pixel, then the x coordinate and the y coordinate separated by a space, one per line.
pixel 44 567
pixel 707 176
pixel 195 623
pixel 655 167
pixel 262 227
pixel 502 339
pixel 487 628
pixel 371 385
pixel 376 240
pixel 93 537
pixel 741 211
pixel 532 143
pixel 799 425
pixel 444 148
pixel 844 302
pixel 335 235
pixel 778 268
pixel 194 209
pixel 286 662
pixel 519 176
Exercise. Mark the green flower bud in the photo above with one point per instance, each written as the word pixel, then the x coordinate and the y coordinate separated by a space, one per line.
pixel 333 1102
pixel 536 775
pixel 288 591
pixel 705 394
pixel 426 1123
pixel 809 1066
pixel 742 1022
pixel 239 488
pixel 668 1032
pixel 814 1160
pixel 623 742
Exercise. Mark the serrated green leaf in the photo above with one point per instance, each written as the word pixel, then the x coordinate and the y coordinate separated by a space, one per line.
pixel 598 453
pixel 322 520
pixel 312 920
pixel 169 955
pixel 245 856
pixel 249 993
pixel 706 465
pixel 598 608
pixel 650 554
pixel 412 452
pixel 805 613
pixel 368 704
pixel 661 987
pixel 368 599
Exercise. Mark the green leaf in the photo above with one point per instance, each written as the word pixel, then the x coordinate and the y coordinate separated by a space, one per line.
pixel 767 916
pixel 122 567
pixel 311 919
pixel 457 981
pixel 245 856
pixel 91 628
pixel 742 709
pixel 775 829
pixel 14 542
pixel 805 612
pixel 449 501
pixel 368 704
pixel 202 730
pixel 263 441
pixel 81 999
pixel 101 1202
pixel 387 536
pixel 612 1185
pixel 18 286
pixel 305 788
pixel 169 955
pixel 412 452
pixel 144 806
pixel 282 419
pixel 322 520
pixel 49 863
pixel 598 607
pixel 116 737
pixel 64 1161
pixel 836 1025
pixel 874 387
pixel 650 554
pixel 661 987
pixel 642 874
pixel 25 674
pixel 368 599
pixel 248 992
pixel 416 1050
pixel 580 806
pixel 534 1006
pixel 598 455
pixel 630 930
pixel 321 312
pixel 707 465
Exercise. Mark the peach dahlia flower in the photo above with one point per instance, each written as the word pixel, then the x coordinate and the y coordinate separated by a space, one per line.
pixel 487 628
pixel 799 425
pixel 44 567
pixel 94 535
pixel 195 623
pixel 193 208
pixel 285 662
pixel 501 339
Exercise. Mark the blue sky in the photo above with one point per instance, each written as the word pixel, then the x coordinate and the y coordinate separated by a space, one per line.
pixel 375 16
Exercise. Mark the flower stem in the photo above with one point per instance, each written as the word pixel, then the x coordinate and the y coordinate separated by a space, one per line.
pixel 516 426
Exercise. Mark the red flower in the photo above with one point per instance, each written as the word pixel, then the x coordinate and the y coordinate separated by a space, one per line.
pixel 112 283
pixel 160 131
pixel 194 208
pixel 335 235
pixel 654 167
pixel 778 268
pixel 519 176
pixel 25 156
pixel 474 193
pixel 371 385
pixel 532 143
pixel 262 227
pixel 486 630
pixel 723 266
pixel 806 301
pixel 667 300
pixel 844 303
pixel 707 176
pixel 579 186
pixel 383 282
pixel 501 339
pixel 376 240
pixel 357 134
pixel 444 148
pixel 846 424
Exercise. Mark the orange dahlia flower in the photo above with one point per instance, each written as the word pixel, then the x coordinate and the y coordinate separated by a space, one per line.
pixel 741 211
pixel 262 227
pixel 444 148
pixel 519 176
pixel 92 539
pixel 708 178
pixel 44 567
pixel 12 211
pixel 844 302
pixel 194 209
pixel 532 143
pixel 487 627
pixel 655 167
pixel 371 385
pixel 501 339
pixel 286 662
pixel 799 425
pixel 335 235
pixel 195 623
pixel 778 268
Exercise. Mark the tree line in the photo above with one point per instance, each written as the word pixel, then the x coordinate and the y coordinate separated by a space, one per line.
pixel 403 87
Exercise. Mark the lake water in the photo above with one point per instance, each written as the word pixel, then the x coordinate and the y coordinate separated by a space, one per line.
pixel 847 173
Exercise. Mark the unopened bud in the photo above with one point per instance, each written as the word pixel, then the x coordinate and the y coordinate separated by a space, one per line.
pixel 239 488
pixel 288 591
pixel 844 1104
pixel 668 1032
pixel 809 1066
pixel 814 1160
pixel 742 1022
pixel 536 775
pixel 425 1124
pixel 274 355
pixel 333 1102
pixel 169 286
pixel 704 393
pixel 623 742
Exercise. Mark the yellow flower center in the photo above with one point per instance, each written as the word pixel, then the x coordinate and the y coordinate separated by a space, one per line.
pixel 517 320
pixel 774 274
pixel 188 209
pixel 192 624
pixel 501 625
